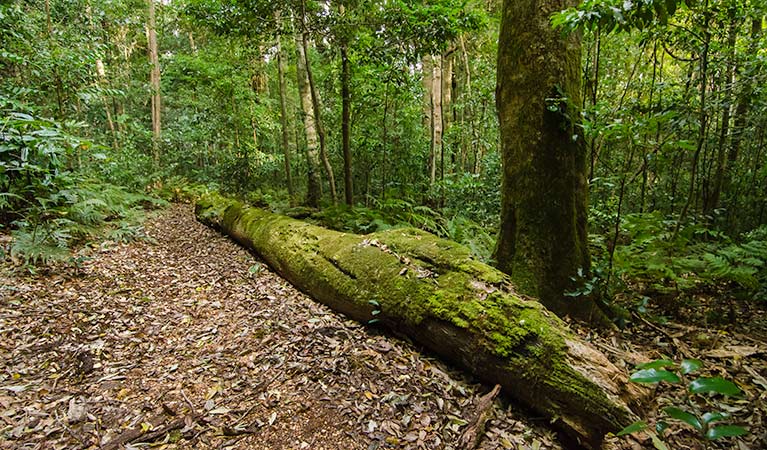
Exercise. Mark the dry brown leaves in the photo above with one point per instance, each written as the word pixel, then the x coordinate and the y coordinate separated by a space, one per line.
pixel 190 342
pixel 735 352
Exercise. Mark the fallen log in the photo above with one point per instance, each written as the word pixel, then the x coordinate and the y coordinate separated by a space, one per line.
pixel 433 291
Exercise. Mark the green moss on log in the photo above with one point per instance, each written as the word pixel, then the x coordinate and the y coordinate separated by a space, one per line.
pixel 434 291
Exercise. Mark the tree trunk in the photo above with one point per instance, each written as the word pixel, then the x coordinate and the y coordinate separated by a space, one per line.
pixel 466 116
pixel 543 241
pixel 740 122
pixel 436 120
pixel 446 90
pixel 435 292
pixel 154 81
pixel 316 104
pixel 346 106
pixel 314 186
pixel 284 117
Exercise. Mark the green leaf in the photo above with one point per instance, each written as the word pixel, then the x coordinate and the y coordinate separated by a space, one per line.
pixel 654 376
pixel 657 364
pixel 684 416
pixel 725 431
pixel 639 425
pixel 691 365
pixel 717 385
pixel 660 427
pixel 714 417
pixel 657 442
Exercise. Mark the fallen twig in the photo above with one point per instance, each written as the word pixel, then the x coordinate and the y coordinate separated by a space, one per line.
pixel 472 436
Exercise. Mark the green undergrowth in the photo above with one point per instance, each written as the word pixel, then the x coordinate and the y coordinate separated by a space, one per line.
pixel 653 259
pixel 47 231
pixel 398 213
pixel 47 203
pixel 178 189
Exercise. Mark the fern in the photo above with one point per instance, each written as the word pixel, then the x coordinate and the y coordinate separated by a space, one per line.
pixel 695 258
pixel 39 245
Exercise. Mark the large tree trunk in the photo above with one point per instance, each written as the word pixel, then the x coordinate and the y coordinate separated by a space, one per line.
pixel 543 241
pixel 435 292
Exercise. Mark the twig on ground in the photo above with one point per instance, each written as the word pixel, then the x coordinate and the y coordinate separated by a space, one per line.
pixel 476 429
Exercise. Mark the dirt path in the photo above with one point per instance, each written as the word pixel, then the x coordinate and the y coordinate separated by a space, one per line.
pixel 191 342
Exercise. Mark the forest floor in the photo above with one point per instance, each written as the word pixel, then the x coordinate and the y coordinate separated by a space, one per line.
pixel 185 340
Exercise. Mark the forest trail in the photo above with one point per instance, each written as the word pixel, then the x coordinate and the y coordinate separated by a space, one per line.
pixel 188 340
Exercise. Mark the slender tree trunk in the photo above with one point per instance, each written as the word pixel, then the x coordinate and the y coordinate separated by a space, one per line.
pixel 427 67
pixel 703 131
pixel 543 241
pixel 436 119
pixel 346 106
pixel 466 101
pixel 48 17
pixel 316 106
pixel 101 72
pixel 314 185
pixel 724 130
pixel 192 45
pixel 284 117
pixel 154 82
pixel 740 121
pixel 235 123
pixel 447 108
pixel 384 142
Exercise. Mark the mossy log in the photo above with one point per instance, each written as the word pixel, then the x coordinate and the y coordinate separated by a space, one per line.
pixel 433 291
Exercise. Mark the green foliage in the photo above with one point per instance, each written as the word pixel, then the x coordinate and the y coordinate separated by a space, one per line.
pixel 178 189
pixel 75 214
pixel 616 15
pixel 709 424
pixel 393 213
pixel 650 251
pixel 47 204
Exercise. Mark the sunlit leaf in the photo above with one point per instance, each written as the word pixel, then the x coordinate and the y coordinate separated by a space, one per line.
pixel 654 376
pixel 714 416
pixel 684 416
pixel 691 365
pixel 717 385
pixel 657 364
pixel 639 425
pixel 725 431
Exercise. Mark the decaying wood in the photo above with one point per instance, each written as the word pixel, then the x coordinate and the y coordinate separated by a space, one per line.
pixel 433 291
pixel 476 428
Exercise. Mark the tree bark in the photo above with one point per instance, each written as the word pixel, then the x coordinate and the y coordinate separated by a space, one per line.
pixel 316 103
pixel 436 120
pixel 154 82
pixel 346 108
pixel 711 202
pixel 543 241
pixel 314 186
pixel 284 117
pixel 435 292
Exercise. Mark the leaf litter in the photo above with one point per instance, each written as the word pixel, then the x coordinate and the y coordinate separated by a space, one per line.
pixel 185 341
